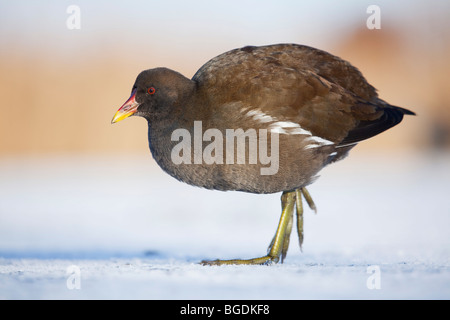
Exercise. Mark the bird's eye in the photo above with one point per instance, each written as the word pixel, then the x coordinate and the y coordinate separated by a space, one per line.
pixel 151 91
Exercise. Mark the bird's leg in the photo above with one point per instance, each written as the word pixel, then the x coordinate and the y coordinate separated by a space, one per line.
pixel 309 200
pixel 278 243
pixel 299 210
pixel 287 235
pixel 299 213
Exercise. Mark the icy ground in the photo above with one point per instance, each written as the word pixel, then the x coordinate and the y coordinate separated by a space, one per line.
pixel 120 228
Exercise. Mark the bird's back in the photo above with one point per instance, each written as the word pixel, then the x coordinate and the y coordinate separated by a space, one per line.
pixel 252 61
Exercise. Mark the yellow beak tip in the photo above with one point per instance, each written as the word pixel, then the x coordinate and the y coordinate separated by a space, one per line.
pixel 119 116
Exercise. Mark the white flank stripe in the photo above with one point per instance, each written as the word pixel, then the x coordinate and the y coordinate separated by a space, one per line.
pixel 260 116
pixel 278 130
pixel 293 128
pixel 320 140
pixel 287 124
pixel 312 146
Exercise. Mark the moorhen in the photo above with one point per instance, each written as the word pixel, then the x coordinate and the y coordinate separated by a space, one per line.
pixel 261 120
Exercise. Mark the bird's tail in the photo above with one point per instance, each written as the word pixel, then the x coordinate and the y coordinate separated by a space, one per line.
pixel 391 116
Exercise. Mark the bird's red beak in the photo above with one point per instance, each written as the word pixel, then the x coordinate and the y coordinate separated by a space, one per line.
pixel 129 108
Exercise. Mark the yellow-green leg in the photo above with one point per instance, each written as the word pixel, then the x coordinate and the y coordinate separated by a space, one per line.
pixel 299 214
pixel 299 211
pixel 280 243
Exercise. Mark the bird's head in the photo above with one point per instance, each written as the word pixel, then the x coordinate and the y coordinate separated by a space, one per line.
pixel 155 92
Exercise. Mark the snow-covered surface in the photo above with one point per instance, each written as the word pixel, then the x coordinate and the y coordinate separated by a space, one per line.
pixel 133 232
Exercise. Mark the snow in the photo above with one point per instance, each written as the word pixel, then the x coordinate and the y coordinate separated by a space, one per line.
pixel 133 232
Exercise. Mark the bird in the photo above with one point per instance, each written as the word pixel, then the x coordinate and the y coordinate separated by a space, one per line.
pixel 259 119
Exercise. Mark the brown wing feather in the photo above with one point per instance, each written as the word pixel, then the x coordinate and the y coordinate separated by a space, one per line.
pixel 321 92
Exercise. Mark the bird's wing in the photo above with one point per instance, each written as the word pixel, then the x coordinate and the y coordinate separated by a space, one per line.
pixel 296 84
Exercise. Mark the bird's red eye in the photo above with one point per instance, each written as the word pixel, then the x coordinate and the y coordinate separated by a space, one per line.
pixel 151 90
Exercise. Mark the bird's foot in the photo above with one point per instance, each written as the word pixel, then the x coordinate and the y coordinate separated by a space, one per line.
pixel 266 260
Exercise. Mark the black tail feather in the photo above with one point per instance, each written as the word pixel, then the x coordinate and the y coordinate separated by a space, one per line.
pixel 392 116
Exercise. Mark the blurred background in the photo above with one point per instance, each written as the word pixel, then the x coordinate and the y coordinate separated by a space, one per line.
pixel 69 180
